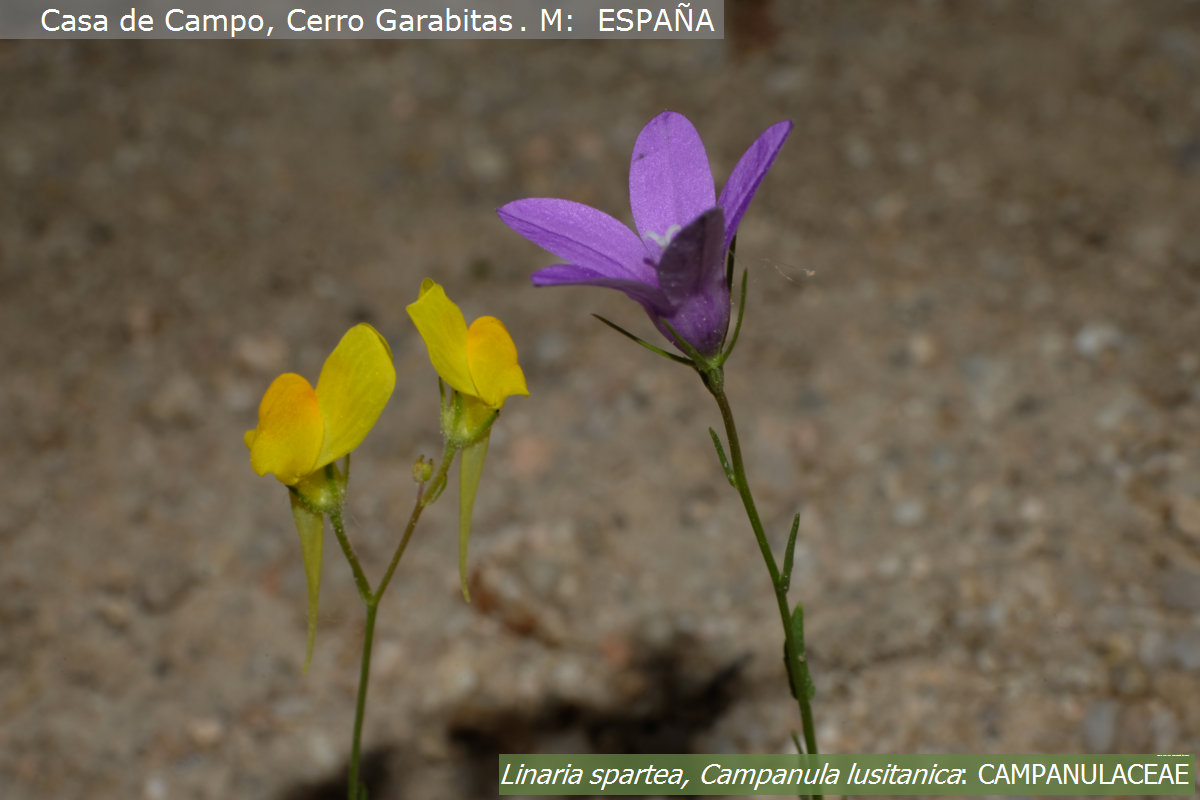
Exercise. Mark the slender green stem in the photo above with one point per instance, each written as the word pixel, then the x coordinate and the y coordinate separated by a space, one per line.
pixel 438 483
pixel 438 479
pixel 372 602
pixel 371 599
pixel 714 381
pixel 360 707
pixel 360 577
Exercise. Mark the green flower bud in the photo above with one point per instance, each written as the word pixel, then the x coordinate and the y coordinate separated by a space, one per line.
pixel 422 469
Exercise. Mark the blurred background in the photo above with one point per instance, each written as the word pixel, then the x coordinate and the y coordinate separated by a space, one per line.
pixel 971 361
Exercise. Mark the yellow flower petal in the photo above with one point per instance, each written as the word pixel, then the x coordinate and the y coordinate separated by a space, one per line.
pixel 492 357
pixel 355 384
pixel 442 326
pixel 289 432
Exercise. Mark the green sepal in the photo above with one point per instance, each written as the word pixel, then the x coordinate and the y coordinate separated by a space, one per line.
pixel 694 359
pixel 801 662
pixel 470 471
pixel 737 327
pixel 310 525
pixel 639 340
pixel 721 456
pixel 466 419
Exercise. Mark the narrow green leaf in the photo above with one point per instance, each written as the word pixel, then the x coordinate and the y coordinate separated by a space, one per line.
pixel 470 471
pixel 806 681
pixel 810 688
pixel 798 628
pixel 311 527
pixel 721 456
pixel 791 670
pixel 789 554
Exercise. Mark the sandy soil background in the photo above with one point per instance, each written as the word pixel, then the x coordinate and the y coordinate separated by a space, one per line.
pixel 971 359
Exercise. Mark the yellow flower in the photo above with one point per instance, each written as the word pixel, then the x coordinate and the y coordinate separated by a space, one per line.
pixel 479 362
pixel 301 429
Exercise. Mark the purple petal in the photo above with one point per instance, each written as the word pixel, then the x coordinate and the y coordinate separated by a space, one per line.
pixel 748 174
pixel 702 322
pixel 580 234
pixel 694 261
pixel 649 295
pixel 670 182
pixel 692 276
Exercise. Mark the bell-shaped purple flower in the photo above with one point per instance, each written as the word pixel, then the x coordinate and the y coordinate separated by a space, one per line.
pixel 675 264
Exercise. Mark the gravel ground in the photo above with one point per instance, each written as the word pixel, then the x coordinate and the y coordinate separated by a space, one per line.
pixel 970 359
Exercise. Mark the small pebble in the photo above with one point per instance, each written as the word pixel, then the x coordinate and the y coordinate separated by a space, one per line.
pixel 1185 650
pixel 261 353
pixel 1094 338
pixel 923 349
pixel 1100 726
pixel 1185 512
pixel 155 788
pixel 1179 590
pixel 205 732
pixel 908 513
pixel 1153 649
pixel 178 401
pixel 115 612
pixel 164 585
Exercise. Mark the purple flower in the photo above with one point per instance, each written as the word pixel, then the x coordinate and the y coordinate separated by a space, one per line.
pixel 675 264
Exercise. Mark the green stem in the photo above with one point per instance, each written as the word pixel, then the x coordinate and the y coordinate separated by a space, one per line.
pixel 360 577
pixel 372 603
pixel 439 479
pixel 355 787
pixel 714 381
pixel 438 483
pixel 371 599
